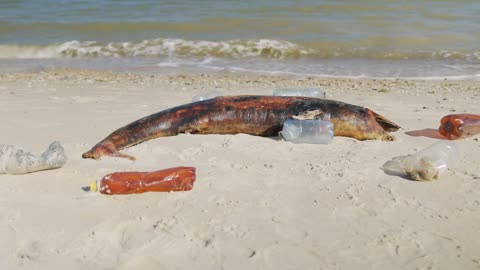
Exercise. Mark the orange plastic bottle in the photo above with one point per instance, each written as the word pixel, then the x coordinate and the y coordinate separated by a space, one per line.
pixel 172 179
pixel 455 126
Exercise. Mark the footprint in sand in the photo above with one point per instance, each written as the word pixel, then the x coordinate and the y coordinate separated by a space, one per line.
pixel 118 241
pixel 29 251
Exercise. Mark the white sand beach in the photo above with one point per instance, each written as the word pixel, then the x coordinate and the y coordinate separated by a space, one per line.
pixel 257 203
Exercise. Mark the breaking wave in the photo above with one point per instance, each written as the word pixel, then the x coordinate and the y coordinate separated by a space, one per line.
pixel 159 47
pixel 230 49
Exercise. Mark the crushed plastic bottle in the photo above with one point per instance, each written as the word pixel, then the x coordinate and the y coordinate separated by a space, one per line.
pixel 14 160
pixel 172 179
pixel 425 165
pixel 313 131
pixel 303 92
pixel 206 96
pixel 457 126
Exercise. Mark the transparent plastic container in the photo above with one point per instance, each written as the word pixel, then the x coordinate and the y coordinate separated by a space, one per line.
pixel 14 160
pixel 425 165
pixel 206 96
pixel 172 179
pixel 303 92
pixel 308 131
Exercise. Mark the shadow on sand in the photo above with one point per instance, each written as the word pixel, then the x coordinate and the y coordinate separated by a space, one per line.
pixel 428 132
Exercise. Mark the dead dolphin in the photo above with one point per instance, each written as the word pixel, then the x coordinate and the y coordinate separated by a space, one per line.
pixel 254 115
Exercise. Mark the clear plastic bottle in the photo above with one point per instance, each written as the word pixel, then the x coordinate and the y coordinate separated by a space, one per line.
pixel 206 96
pixel 308 131
pixel 172 179
pixel 425 165
pixel 304 92
pixel 14 160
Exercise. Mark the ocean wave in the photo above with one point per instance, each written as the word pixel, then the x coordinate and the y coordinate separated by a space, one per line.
pixel 230 49
pixel 265 48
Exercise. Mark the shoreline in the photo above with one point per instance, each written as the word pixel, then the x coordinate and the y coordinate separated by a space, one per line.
pixel 258 203
pixel 339 68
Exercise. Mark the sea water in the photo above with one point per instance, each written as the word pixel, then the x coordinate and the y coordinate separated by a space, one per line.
pixel 419 39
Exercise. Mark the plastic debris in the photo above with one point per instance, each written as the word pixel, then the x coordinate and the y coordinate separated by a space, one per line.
pixel 306 128
pixel 303 92
pixel 14 160
pixel 457 126
pixel 425 165
pixel 172 179
pixel 206 96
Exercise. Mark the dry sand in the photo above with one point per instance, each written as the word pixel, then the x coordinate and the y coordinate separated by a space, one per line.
pixel 258 203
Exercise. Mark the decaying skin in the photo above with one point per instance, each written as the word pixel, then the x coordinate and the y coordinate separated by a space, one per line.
pixel 254 115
